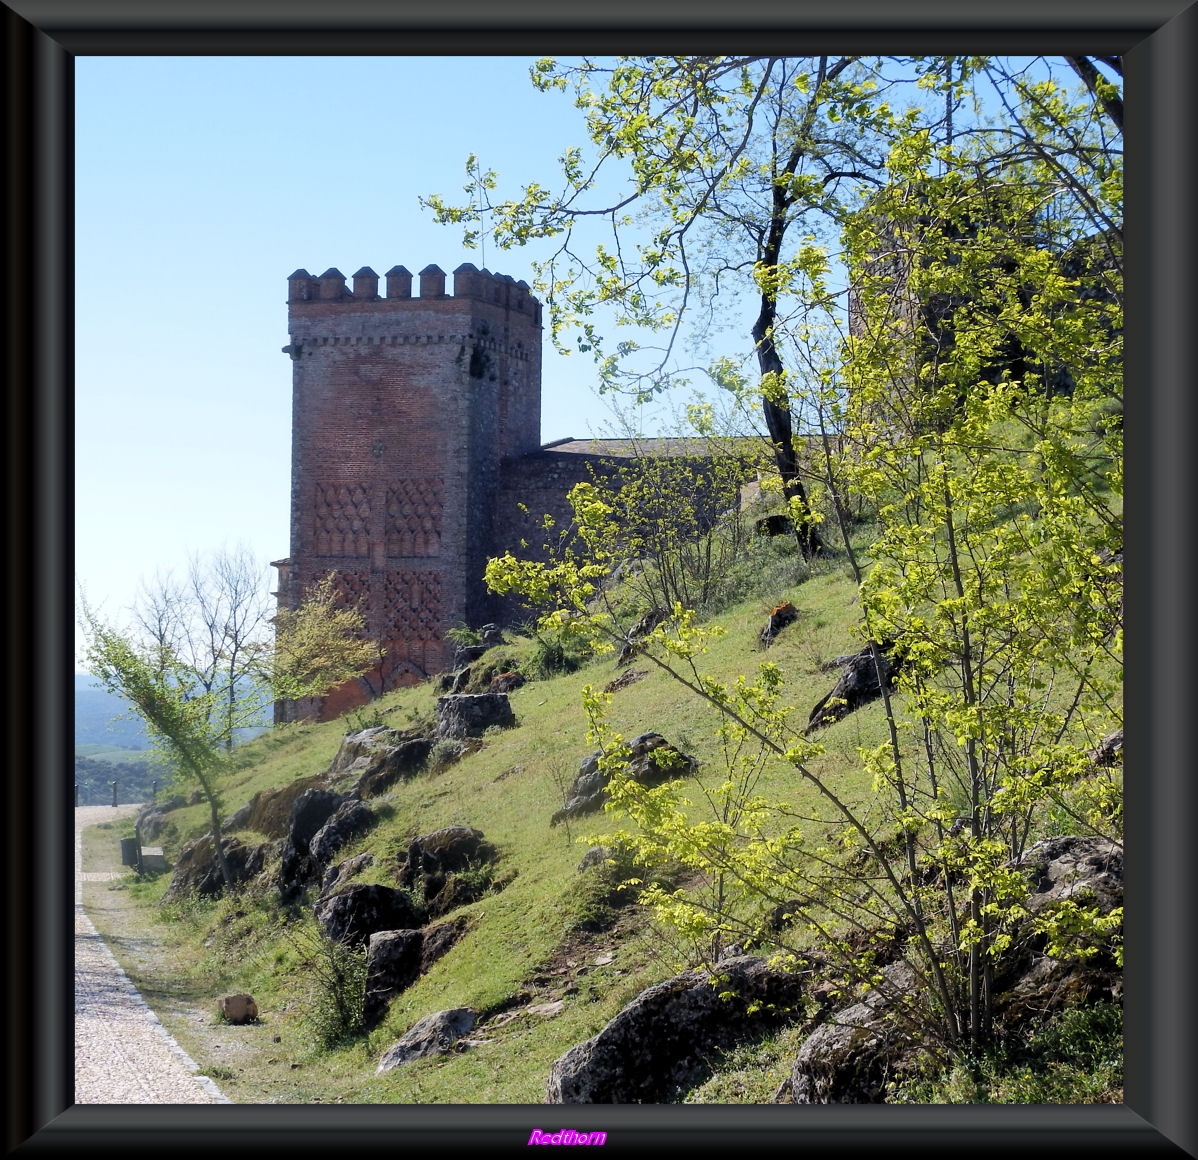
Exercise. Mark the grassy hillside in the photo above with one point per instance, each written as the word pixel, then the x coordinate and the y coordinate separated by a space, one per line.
pixel 552 955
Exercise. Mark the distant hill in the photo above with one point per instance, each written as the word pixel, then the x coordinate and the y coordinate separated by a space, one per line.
pixel 102 719
pixel 97 718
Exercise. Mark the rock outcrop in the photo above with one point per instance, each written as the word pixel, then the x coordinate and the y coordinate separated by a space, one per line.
pixel 659 1046
pixel 652 761
pixel 464 715
pixel 858 685
pixel 378 758
pixel 433 1035
pixel 853 1055
pixel 395 959
pixel 360 910
pixel 197 871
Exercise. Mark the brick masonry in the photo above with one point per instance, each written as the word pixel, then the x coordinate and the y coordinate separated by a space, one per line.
pixel 415 437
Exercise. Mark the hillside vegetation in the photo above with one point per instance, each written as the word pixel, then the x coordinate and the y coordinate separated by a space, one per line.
pixel 552 952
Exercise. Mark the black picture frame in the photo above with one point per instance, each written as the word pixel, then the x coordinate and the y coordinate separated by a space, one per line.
pixel 1158 39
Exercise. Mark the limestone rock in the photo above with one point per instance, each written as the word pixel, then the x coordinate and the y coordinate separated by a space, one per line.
pixel 858 685
pixel 658 1046
pixel 851 1058
pixel 335 877
pixel 395 959
pixel 652 761
pixel 434 862
pixel 198 872
pixel 433 1035
pixel 463 715
pixel 348 821
pixel 392 965
pixel 353 914
pixel 298 865
pixel 379 757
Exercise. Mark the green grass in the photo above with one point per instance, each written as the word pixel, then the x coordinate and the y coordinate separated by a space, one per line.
pixel 537 939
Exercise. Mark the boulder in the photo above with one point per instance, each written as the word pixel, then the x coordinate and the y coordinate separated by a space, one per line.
pixel 153 819
pixel 463 715
pixel 1029 983
pixel 335 877
pixel 356 912
pixel 652 760
pixel 659 1046
pixel 349 820
pixel 270 809
pixel 433 1035
pixel 380 757
pixel 784 614
pixel 851 1058
pixel 392 966
pixel 435 860
pixel 198 872
pixel 299 866
pixel 395 959
pixel 858 685
pixel 238 1008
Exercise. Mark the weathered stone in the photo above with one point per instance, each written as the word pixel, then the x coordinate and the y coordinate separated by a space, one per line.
pixel 433 1035
pixel 851 1058
pixel 335 877
pixel 378 757
pixel 198 872
pixel 270 809
pixel 779 618
pixel 462 715
pixel 659 1046
pixel 350 819
pixel 153 819
pixel 1027 981
pixel 238 1008
pixel 392 966
pixel 858 685
pixel 438 939
pixel 435 858
pixel 298 865
pixel 652 760
pixel 1109 751
pixel 353 914
pixel 595 856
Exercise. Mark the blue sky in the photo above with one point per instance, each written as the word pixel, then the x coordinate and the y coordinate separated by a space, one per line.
pixel 201 183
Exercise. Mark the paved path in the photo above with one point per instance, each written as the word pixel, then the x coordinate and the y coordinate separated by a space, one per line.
pixel 123 1054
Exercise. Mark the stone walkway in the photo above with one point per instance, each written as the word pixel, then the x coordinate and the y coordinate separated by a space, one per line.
pixel 123 1054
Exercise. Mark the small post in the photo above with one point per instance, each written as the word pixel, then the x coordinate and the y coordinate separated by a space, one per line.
pixel 114 794
pixel 154 790
pixel 76 795
pixel 137 841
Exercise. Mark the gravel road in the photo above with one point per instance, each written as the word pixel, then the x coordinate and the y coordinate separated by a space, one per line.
pixel 123 1054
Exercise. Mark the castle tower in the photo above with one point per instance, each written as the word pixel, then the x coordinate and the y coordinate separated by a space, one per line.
pixel 403 410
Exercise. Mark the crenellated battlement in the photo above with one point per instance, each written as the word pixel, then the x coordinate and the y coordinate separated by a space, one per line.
pixel 468 282
pixel 409 394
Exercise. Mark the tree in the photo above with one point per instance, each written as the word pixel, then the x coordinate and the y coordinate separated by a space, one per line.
pixel 728 160
pixel 214 622
pixel 976 407
pixel 177 710
pixel 319 645
pixel 180 692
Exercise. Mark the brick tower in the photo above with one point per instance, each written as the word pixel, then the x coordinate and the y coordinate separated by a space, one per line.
pixel 403 410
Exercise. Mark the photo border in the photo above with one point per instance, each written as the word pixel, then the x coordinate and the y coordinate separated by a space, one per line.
pixel 1159 39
